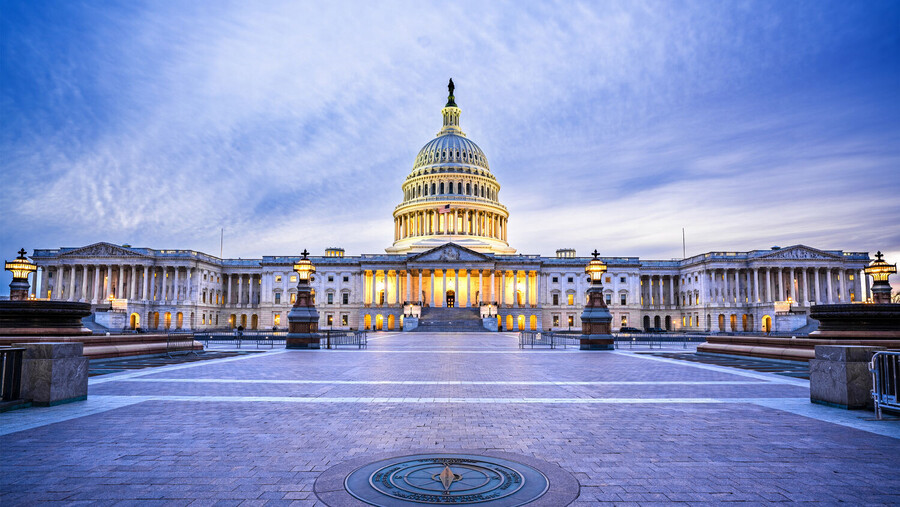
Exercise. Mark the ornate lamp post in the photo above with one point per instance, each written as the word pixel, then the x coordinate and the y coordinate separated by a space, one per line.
pixel 20 267
pixel 596 319
pixel 303 320
pixel 880 271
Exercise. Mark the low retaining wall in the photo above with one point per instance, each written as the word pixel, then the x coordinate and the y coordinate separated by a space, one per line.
pixel 101 347
pixel 790 349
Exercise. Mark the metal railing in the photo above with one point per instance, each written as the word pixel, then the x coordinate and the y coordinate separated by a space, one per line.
pixel 550 339
pixel 237 338
pixel 656 339
pixel 11 372
pixel 885 368
pixel 332 339
pixel 180 342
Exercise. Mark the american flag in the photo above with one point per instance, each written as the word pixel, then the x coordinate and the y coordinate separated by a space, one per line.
pixel 445 209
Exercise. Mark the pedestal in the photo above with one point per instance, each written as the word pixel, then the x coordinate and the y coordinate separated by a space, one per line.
pixel 303 326
pixel 839 376
pixel 54 373
pixel 595 329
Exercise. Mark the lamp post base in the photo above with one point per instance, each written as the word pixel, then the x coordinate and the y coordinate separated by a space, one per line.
pixel 302 341
pixel 597 342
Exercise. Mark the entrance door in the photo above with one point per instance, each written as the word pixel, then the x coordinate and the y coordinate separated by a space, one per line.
pixel 451 299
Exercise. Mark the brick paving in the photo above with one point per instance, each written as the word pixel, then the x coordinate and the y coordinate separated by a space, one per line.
pixel 258 430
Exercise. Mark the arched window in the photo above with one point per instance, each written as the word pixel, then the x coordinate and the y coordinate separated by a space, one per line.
pixel 442 187
pixel 468 189
pixel 432 189
pixel 459 188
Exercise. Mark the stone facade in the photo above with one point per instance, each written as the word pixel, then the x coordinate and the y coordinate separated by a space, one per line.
pixel 450 249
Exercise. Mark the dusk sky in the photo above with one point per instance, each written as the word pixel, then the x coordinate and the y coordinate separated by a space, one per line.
pixel 609 125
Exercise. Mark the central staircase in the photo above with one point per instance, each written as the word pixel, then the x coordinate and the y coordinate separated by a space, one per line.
pixel 450 320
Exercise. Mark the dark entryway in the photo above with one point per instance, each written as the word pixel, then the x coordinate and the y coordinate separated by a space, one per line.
pixel 451 299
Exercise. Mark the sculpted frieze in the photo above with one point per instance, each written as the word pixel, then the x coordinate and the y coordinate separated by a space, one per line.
pixel 102 250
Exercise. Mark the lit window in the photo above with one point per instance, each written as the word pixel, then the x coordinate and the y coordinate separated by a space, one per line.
pixel 571 320
pixel 571 299
pixel 556 321
pixel 277 319
pixel 624 320
pixel 293 298
pixel 329 320
pixel 293 278
pixel 608 279
pixel 345 320
pixel 851 278
pixel 278 278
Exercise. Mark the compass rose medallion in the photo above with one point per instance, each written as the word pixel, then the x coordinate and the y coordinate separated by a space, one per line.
pixel 446 478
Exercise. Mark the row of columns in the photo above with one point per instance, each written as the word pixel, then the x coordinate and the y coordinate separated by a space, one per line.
pixel 438 221
pixel 393 283
pixel 803 285
pixel 100 282
pixel 658 290
pixel 235 294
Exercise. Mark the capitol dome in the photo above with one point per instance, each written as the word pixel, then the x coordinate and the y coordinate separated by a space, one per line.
pixel 450 195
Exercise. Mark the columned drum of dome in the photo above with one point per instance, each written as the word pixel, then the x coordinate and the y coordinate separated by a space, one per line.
pixel 450 195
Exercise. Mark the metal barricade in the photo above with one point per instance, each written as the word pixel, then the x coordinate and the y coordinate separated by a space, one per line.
pixel 330 339
pixel 885 368
pixel 180 342
pixel 11 372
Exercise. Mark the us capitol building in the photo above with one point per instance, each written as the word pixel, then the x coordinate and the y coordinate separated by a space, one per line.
pixel 450 250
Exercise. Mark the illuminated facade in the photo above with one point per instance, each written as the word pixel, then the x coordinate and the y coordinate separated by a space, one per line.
pixel 450 250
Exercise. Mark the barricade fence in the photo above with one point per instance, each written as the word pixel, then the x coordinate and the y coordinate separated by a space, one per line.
pixel 180 343
pixel 11 372
pixel 330 339
pixel 563 339
pixel 327 339
pixel 885 368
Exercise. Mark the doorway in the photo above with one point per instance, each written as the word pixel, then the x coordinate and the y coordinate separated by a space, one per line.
pixel 451 299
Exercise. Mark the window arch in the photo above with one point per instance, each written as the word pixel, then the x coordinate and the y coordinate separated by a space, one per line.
pixel 468 189
pixel 459 187
pixel 442 187
pixel 432 188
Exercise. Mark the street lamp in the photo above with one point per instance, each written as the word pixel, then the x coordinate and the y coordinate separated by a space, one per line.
pixel 880 271
pixel 595 319
pixel 20 267
pixel 303 319
pixel 790 302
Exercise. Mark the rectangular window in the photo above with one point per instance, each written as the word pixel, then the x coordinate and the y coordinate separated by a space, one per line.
pixel 556 321
pixel 624 321
pixel 329 320
pixel 277 278
pixel 293 278
pixel 345 299
pixel 346 279
pixel 277 298
pixel 571 320
pixel 556 300
pixel 623 299
pixel 571 279
pixel 330 278
pixel 608 279
pixel 851 278
pixel 609 299
pixel 345 320
pixel 555 279
pixel 277 319
pixel 293 298
pixel 571 299
pixel 330 297
pixel 621 279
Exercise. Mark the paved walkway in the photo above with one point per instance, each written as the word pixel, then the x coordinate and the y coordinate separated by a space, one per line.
pixel 259 429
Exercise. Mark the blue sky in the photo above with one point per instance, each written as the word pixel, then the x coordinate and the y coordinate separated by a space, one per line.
pixel 609 125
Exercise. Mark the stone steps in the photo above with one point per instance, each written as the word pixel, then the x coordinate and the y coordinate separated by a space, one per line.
pixel 447 320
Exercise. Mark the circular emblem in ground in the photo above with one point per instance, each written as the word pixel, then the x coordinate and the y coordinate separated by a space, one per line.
pixel 455 478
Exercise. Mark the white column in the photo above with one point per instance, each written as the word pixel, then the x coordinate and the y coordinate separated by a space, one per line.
pixel 492 286
pixel 250 284
pixel 468 289
pixel 71 293
pixel 868 293
pixel 146 278
pixel 107 286
pixel 672 291
pixel 432 288
pixel 119 285
pixel 515 293
pixel 188 281
pixel 96 285
pixel 397 288
pixel 737 285
pixel 420 290
pixel 527 289
pixel 132 286
pixel 828 276
pixel 756 285
pixel 726 296
pixel 240 289
pixel 503 287
pixel 229 281
pixel 175 289
pixel 84 283
pixel 769 297
pixel 480 289
pixel 818 290
pixel 444 288
pixel 456 285
pixel 373 291
pixel 805 287
pixel 408 289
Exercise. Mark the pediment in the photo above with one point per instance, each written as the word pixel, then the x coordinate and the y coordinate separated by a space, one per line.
pixel 799 252
pixel 450 252
pixel 102 249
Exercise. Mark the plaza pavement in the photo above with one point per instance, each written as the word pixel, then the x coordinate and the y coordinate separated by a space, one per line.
pixel 632 428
